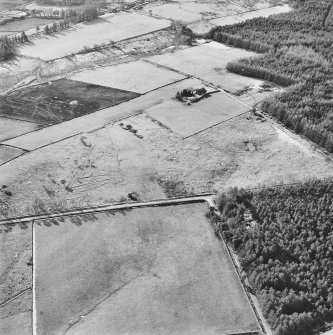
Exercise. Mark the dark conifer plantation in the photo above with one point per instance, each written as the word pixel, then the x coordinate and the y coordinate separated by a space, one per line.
pixel 297 50
pixel 284 238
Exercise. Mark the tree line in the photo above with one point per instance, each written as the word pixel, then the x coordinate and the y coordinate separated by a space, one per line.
pixel 8 45
pixel 297 50
pixel 284 239
pixel 67 3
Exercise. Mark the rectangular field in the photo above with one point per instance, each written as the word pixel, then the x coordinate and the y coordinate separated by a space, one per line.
pixel 23 25
pixel 188 120
pixel 59 101
pixel 10 128
pixel 194 11
pixel 263 12
pixel 8 153
pixel 9 4
pixel 157 270
pixel 139 76
pixel 207 61
pixel 174 11
pixel 103 30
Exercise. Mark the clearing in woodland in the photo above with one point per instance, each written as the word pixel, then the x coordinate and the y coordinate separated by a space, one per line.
pixel 155 270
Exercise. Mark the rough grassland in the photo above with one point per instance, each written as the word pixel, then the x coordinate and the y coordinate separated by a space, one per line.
pixel 103 166
pixel 15 277
pixel 10 128
pixel 207 61
pixel 187 120
pixel 59 101
pixel 146 271
pixel 103 30
pixel 139 76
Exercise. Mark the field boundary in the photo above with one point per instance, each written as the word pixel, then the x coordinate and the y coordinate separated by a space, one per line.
pixel 89 210
pixel 243 284
pixel 216 124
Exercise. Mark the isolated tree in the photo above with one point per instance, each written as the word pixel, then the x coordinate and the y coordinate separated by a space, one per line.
pixel 24 38
pixel 47 30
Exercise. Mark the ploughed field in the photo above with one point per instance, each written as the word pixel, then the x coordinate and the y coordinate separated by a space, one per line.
pixel 59 101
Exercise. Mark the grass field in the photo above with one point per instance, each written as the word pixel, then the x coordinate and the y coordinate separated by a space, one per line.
pixel 138 76
pixel 10 128
pixel 102 30
pixel 23 25
pixel 60 101
pixel 8 153
pixel 207 61
pixel 9 4
pixel 190 11
pixel 187 120
pixel 146 271
pixel 264 12
pixel 15 277
pixel 174 12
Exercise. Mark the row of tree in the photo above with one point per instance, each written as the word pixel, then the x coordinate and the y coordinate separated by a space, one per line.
pixel 8 45
pixel 284 238
pixel 298 49
pixel 85 13
pixel 64 3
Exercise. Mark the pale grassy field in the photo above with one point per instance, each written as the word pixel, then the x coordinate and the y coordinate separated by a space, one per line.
pixel 139 76
pixel 144 271
pixel 208 62
pixel 103 30
pixel 191 11
pixel 8 153
pixel 10 128
pixel 174 12
pixel 187 120
pixel 264 12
